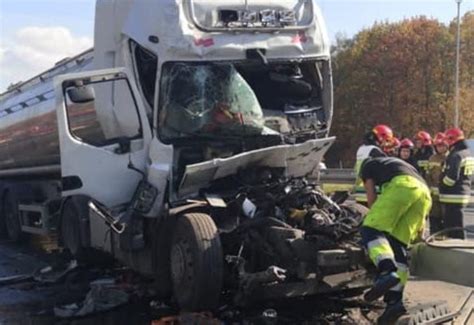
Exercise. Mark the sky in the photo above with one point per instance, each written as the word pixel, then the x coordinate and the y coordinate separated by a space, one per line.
pixel 35 34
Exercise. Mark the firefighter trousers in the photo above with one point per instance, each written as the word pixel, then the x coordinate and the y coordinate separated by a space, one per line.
pixel 389 255
pixel 453 216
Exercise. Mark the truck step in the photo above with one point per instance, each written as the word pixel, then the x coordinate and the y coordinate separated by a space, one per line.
pixel 35 218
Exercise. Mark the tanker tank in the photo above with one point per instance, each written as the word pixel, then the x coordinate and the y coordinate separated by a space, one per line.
pixel 28 124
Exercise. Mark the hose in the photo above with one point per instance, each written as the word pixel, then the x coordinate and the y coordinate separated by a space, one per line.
pixel 428 239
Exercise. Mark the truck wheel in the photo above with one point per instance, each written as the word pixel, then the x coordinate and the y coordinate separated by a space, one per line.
pixel 71 228
pixel 196 262
pixel 12 218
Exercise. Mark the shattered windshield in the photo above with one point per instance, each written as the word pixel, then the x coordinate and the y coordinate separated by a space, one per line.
pixel 207 100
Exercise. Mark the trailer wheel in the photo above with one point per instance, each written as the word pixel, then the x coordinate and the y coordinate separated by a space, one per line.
pixel 196 262
pixel 12 218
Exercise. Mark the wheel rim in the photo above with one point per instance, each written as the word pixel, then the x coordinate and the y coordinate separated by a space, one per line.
pixel 182 270
pixel 178 262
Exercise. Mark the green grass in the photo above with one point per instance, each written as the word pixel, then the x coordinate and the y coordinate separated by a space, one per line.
pixel 331 188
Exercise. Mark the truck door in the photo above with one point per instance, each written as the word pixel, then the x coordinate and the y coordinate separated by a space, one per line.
pixel 103 128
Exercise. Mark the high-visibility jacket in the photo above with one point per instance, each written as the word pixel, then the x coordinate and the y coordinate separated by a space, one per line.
pixel 435 167
pixel 456 177
pixel 422 157
pixel 365 151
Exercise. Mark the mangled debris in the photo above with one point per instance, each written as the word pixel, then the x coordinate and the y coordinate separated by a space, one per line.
pixel 286 238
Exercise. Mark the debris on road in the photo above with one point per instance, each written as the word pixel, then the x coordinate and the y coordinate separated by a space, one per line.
pixel 102 297
pixel 14 279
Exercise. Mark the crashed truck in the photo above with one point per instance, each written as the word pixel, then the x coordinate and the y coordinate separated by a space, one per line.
pixel 186 144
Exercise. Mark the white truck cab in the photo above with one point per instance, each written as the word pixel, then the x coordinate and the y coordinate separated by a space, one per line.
pixel 161 138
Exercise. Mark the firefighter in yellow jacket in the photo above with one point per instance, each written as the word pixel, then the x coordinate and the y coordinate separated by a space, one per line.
pixel 435 166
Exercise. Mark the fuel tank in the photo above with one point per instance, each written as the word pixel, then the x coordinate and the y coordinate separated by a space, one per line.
pixel 28 123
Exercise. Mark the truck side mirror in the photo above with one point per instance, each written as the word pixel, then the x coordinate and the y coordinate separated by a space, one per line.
pixel 81 94
pixel 124 145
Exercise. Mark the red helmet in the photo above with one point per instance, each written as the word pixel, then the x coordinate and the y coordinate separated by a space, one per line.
pixel 440 139
pixel 406 143
pixel 391 145
pixel 383 133
pixel 453 135
pixel 425 138
pixel 395 142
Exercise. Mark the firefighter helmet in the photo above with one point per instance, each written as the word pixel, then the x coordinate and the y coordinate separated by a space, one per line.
pixel 391 146
pixel 382 133
pixel 406 143
pixel 424 137
pixel 453 136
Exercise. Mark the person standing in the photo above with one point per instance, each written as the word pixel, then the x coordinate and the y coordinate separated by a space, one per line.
pixel 406 151
pixel 435 165
pixel 395 219
pixel 455 181
pixel 424 150
pixel 373 143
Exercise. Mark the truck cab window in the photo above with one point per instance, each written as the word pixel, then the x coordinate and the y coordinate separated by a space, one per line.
pixel 101 113
pixel 146 65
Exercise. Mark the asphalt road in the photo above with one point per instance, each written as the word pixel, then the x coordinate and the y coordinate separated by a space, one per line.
pixel 469 222
pixel 32 303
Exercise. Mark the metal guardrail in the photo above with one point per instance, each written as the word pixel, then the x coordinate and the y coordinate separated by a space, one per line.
pixel 347 176
pixel 344 176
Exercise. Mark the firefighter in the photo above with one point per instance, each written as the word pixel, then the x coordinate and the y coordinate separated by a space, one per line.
pixel 424 150
pixel 455 181
pixel 392 147
pixel 435 165
pixel 406 151
pixel 396 218
pixel 374 140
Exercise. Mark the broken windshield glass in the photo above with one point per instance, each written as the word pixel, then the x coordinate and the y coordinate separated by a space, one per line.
pixel 208 100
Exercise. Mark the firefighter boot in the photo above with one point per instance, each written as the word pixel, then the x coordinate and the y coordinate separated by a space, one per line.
pixel 382 285
pixel 392 312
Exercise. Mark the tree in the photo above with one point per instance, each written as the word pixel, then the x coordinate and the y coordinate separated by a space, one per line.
pixel 400 74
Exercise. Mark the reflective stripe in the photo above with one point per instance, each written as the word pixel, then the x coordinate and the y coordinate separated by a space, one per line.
pixel 434 164
pixel 454 198
pixel 402 272
pixel 469 161
pixel 423 164
pixel 468 164
pixel 377 242
pixel 379 250
pixel 399 287
pixel 434 190
pixel 448 181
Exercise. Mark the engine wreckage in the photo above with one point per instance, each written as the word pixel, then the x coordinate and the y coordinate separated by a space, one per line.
pixel 278 234
pixel 288 238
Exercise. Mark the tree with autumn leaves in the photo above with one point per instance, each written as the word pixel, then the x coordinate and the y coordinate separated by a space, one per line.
pixel 400 74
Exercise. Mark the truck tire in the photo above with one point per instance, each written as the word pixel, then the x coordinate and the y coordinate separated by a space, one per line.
pixel 196 262
pixel 71 230
pixel 12 218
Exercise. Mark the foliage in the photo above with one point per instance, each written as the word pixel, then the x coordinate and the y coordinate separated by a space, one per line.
pixel 400 74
